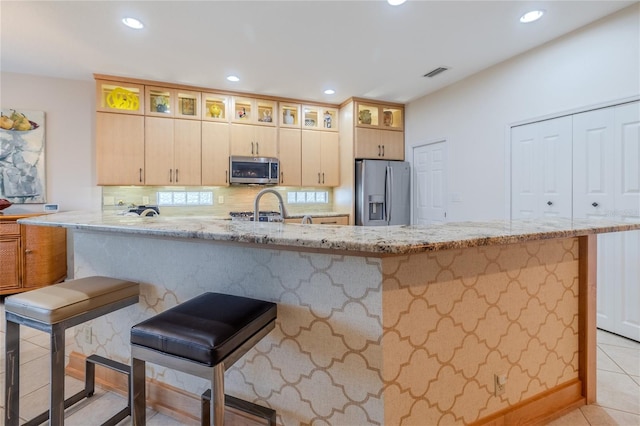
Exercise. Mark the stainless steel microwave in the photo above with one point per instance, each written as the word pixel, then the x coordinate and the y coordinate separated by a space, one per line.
pixel 256 170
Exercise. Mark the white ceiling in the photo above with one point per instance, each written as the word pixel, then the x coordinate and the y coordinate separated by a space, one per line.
pixel 290 49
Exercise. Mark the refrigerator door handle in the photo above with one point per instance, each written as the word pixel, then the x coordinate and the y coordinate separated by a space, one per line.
pixel 388 185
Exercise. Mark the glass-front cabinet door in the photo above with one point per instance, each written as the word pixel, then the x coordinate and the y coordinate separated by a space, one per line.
pixel 160 101
pixel 188 104
pixel 316 117
pixel 125 98
pixel 215 107
pixel 254 111
pixel 389 117
pixel 289 115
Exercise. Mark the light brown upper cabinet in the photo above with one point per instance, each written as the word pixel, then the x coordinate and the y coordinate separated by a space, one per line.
pixel 290 156
pixel 379 116
pixel 252 140
pixel 254 111
pixel 172 151
pixel 289 115
pixel 120 149
pixel 167 102
pixel 320 158
pixel 215 154
pixel 122 98
pixel 379 130
pixel 215 107
pixel 319 118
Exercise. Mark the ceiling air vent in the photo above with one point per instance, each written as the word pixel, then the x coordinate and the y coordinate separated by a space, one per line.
pixel 435 72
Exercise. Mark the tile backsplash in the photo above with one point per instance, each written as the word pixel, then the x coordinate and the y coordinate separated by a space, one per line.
pixel 234 198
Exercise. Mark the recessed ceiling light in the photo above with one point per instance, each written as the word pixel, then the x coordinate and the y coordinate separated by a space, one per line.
pixel 329 92
pixel 133 23
pixel 534 15
pixel 395 2
pixel 233 78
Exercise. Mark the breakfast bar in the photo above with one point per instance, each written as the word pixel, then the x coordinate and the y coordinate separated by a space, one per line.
pixel 376 325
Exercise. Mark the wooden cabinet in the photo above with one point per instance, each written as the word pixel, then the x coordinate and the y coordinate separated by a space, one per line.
pixel 167 102
pixel 119 149
pixel 290 156
pixel 215 107
pixel 323 220
pixel 252 140
pixel 379 115
pixel 119 97
pixel 215 153
pixel 378 131
pixel 254 111
pixel 172 151
pixel 289 115
pixel 320 158
pixel 319 118
pixel 378 144
pixel 30 256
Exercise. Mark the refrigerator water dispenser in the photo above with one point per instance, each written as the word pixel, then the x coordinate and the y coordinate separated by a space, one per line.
pixel 376 207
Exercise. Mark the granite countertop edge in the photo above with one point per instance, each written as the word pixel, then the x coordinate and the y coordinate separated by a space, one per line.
pixel 397 240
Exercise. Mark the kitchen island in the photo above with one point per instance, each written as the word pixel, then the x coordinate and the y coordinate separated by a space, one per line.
pixel 397 325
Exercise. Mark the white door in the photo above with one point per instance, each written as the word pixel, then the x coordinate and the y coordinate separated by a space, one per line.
pixel 430 183
pixel 541 169
pixel 607 184
pixel 627 204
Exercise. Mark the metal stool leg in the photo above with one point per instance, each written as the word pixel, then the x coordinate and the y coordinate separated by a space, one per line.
pixel 138 392
pixel 12 374
pixel 217 399
pixel 56 384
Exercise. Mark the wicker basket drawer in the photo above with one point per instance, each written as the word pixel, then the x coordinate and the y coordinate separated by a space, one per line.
pixel 9 228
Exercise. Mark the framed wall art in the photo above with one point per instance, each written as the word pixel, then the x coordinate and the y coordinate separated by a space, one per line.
pixel 22 156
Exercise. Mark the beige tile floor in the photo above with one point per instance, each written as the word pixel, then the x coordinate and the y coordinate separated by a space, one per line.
pixel 618 386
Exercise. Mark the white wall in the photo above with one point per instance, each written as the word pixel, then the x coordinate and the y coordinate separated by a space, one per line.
pixel 593 65
pixel 69 107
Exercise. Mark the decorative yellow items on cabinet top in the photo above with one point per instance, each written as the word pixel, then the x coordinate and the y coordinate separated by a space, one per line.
pixel 215 111
pixel 120 98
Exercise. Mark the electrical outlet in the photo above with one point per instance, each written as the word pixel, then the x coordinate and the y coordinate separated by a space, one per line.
pixel 87 334
pixel 500 384
pixel 220 199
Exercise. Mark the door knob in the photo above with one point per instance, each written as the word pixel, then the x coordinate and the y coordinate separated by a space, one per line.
pixel 594 204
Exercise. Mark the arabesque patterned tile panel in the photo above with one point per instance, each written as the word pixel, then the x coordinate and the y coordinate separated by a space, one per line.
pixel 477 312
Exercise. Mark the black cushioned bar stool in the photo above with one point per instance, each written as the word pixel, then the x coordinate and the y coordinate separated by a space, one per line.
pixel 203 337
pixel 53 309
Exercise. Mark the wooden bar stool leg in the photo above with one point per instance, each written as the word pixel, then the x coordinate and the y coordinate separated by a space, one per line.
pixel 138 392
pixel 56 385
pixel 12 374
pixel 217 399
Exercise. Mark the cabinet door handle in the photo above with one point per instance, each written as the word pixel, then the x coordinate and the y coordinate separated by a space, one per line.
pixel 318 177
pixel 383 150
pixel 226 176
pixel 176 175
pixel 170 175
pixel 594 204
pixel 140 174
pixel 28 251
pixel 378 150
pixel 322 177
pixel 252 148
pixel 257 149
pixel 549 203
pixel 281 177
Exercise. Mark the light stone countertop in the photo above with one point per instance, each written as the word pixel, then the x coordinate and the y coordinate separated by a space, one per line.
pixel 365 240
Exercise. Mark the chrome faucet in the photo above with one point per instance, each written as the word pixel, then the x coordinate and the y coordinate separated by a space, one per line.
pixel 256 203
pixel 306 219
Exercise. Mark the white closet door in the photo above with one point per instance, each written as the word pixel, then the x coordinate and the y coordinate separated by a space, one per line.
pixel 541 169
pixel 627 204
pixel 606 158
pixel 593 183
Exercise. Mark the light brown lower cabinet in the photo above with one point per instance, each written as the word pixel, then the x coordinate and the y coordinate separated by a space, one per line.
pixel 30 256
pixel 323 220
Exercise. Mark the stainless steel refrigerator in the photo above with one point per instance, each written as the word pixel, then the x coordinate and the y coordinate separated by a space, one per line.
pixel 382 192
